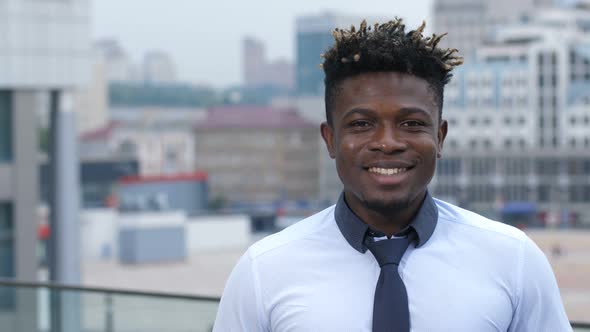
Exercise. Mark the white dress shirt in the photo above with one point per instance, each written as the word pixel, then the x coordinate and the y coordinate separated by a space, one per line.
pixel 471 274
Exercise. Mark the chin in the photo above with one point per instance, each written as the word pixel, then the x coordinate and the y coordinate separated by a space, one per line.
pixel 386 204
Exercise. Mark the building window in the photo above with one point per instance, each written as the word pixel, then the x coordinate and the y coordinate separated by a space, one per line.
pixel 575 167
pixel 6 241
pixel 543 193
pixel 129 148
pixel 450 166
pixel 547 167
pixel 5 126
pixel 7 295
pixel 576 194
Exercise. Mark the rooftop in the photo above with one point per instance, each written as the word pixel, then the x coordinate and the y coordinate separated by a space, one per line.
pixel 100 133
pixel 253 117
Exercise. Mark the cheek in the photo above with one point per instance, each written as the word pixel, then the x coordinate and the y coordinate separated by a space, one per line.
pixel 428 150
pixel 348 150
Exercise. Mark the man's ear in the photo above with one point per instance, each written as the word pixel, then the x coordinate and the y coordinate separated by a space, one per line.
pixel 442 134
pixel 328 136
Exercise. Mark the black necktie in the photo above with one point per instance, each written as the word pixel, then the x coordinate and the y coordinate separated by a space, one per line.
pixel 390 307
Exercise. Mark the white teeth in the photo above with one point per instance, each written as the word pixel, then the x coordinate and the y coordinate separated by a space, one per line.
pixel 387 171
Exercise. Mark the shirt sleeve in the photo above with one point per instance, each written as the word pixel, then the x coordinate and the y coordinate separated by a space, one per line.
pixel 539 306
pixel 240 303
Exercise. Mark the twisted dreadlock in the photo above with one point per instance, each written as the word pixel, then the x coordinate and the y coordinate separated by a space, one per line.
pixel 387 47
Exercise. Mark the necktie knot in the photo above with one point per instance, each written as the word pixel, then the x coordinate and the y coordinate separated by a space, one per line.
pixel 389 251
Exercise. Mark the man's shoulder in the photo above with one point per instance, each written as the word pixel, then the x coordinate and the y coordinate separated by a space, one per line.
pixel 459 217
pixel 301 230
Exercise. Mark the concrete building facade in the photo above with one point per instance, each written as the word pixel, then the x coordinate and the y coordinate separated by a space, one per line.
pixel 258 154
pixel 258 71
pixel 160 138
pixel 44 58
pixel 518 119
pixel 469 23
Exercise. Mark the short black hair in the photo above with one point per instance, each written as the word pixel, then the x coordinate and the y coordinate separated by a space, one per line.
pixel 387 48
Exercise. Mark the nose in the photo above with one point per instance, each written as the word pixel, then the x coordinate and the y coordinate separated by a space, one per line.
pixel 388 140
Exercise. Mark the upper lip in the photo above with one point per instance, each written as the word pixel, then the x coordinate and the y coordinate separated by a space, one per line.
pixel 389 164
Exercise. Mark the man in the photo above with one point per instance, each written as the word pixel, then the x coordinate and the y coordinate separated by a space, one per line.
pixel 387 256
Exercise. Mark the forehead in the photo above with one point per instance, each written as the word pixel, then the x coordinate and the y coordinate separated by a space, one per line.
pixel 396 90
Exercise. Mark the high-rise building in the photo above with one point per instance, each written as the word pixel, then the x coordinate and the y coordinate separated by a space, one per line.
pixel 44 51
pixel 118 65
pixel 253 61
pixel 259 72
pixel 518 113
pixel 91 101
pixel 159 68
pixel 469 23
pixel 44 56
pixel 314 37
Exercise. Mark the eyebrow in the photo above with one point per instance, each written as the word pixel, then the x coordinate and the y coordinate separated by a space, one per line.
pixel 413 110
pixel 361 111
pixel 402 112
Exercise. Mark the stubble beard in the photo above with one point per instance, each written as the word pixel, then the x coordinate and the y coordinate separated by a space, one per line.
pixel 385 207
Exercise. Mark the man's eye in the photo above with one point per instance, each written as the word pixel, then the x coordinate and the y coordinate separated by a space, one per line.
pixel 360 124
pixel 412 123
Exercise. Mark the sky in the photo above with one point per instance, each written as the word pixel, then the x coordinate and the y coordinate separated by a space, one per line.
pixel 204 37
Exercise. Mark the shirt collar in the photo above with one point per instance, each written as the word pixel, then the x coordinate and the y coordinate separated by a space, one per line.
pixel 354 229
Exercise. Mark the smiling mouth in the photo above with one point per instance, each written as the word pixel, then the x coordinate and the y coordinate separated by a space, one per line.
pixel 387 171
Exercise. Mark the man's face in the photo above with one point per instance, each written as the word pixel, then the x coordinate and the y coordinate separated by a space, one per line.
pixel 385 137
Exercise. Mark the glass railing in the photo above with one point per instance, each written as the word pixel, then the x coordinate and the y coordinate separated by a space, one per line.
pixel 33 307
pixel 41 307
pixel 581 327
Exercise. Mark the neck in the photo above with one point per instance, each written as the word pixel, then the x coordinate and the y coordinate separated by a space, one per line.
pixel 391 219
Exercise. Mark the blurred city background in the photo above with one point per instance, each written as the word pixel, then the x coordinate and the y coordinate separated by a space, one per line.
pixel 144 145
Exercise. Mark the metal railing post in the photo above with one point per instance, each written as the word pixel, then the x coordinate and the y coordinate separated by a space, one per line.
pixel 108 317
